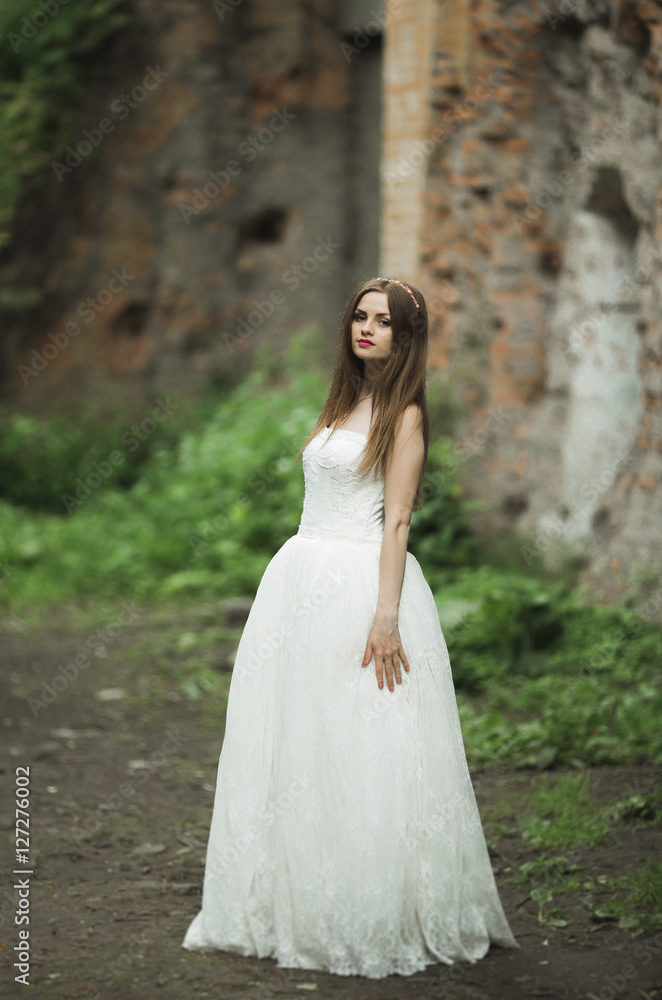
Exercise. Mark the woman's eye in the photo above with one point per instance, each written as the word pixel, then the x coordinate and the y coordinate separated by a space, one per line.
pixel 360 318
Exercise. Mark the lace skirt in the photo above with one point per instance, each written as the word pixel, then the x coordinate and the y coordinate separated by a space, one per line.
pixel 345 833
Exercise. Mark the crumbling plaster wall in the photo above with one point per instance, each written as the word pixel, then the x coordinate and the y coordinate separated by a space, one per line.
pixel 542 250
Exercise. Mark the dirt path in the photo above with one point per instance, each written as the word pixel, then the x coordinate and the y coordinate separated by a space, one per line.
pixel 121 799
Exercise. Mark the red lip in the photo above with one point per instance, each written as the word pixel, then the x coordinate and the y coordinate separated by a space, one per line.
pixel 364 341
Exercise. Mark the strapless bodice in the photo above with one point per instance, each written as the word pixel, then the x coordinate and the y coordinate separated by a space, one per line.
pixel 338 503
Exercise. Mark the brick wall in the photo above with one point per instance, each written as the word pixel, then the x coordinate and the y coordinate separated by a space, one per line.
pixel 408 56
pixel 543 137
pixel 217 212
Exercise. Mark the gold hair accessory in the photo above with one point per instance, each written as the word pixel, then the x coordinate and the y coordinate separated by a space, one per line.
pixel 406 288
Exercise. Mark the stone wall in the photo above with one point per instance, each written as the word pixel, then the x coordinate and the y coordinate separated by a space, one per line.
pixel 542 255
pixel 225 193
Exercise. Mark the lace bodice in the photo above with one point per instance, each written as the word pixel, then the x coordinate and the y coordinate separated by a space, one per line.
pixel 338 503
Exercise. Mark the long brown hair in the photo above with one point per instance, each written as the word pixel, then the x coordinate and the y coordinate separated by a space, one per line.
pixel 401 383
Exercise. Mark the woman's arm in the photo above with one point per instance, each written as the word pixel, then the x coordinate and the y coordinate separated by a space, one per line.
pixel 400 485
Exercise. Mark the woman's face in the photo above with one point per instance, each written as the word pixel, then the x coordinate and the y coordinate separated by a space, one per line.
pixel 371 328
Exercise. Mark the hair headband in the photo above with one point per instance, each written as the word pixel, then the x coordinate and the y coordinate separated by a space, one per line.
pixel 406 288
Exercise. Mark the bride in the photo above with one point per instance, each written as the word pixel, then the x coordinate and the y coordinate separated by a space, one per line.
pixel 345 833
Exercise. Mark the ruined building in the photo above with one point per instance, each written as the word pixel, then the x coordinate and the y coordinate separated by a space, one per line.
pixel 253 161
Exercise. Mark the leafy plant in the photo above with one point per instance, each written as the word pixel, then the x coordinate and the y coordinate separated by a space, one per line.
pixel 636 899
pixel 554 918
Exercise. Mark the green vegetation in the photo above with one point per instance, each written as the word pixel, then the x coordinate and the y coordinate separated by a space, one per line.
pixel 564 817
pixel 193 510
pixel 551 679
pixel 636 899
pixel 564 813
pixel 197 504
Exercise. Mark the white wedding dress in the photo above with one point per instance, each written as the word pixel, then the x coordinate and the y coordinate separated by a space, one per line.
pixel 345 833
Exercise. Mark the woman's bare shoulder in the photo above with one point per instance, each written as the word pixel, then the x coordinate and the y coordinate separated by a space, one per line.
pixel 411 419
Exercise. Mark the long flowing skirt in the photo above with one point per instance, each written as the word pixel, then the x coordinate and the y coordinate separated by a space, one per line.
pixel 345 834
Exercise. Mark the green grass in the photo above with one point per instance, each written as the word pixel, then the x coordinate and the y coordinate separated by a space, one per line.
pixel 563 813
pixel 563 822
pixel 633 900
pixel 562 683
pixel 639 899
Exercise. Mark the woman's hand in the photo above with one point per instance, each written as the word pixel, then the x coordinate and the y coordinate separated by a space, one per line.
pixel 385 643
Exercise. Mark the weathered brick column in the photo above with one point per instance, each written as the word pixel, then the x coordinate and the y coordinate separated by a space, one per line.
pixel 408 57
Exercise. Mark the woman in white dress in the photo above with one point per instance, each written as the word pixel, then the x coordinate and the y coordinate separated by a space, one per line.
pixel 345 834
